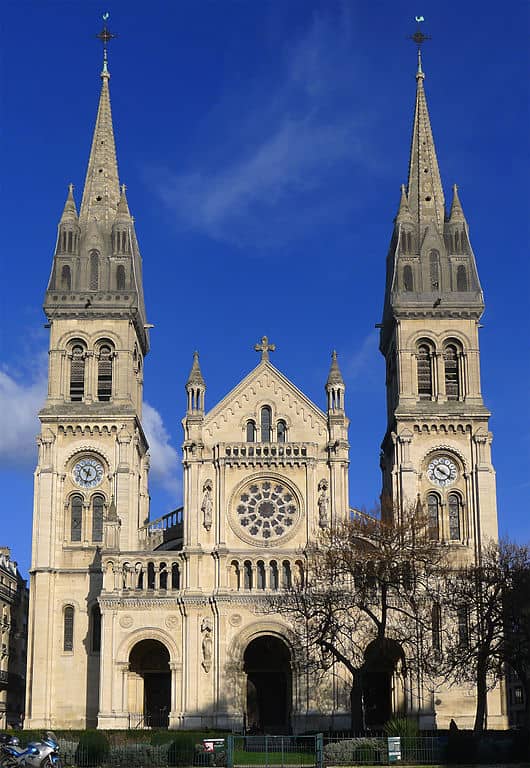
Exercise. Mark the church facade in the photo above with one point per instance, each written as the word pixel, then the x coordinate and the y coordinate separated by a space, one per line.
pixel 160 622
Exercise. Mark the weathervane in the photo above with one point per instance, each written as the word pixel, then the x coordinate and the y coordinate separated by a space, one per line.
pixel 418 37
pixel 105 36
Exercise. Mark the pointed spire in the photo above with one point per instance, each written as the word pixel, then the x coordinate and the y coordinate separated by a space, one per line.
pixel 404 215
pixel 101 193
pixel 334 376
pixel 123 213
pixel 425 192
pixel 70 210
pixel 195 378
pixel 457 213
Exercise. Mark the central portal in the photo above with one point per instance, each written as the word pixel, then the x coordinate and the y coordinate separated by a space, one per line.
pixel 267 662
pixel 150 684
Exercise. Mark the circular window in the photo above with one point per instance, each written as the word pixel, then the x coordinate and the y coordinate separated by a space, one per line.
pixel 265 510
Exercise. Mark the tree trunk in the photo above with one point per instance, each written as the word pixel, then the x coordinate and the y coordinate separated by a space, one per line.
pixel 356 703
pixel 482 697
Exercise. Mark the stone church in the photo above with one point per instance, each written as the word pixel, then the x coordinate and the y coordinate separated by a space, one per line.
pixel 136 621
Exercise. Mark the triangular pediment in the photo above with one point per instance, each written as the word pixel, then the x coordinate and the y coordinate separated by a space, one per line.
pixel 265 384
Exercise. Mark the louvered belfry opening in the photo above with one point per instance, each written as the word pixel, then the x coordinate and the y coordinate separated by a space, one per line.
pixel 105 374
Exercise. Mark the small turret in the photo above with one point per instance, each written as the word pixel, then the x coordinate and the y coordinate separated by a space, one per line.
pixel 195 387
pixel 456 228
pixel 68 237
pixel 335 386
pixel 121 239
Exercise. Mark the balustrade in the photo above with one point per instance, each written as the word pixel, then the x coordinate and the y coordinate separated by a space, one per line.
pixel 160 574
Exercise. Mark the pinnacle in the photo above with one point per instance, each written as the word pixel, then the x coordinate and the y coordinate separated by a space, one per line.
pixel 334 376
pixel 195 377
pixel 457 213
pixel 70 210
pixel 404 214
pixel 123 206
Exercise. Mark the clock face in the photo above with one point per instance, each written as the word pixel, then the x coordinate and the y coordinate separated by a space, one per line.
pixel 442 471
pixel 88 473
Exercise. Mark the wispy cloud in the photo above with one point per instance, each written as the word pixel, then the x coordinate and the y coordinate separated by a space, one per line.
pixel 20 402
pixel 164 457
pixel 362 364
pixel 297 141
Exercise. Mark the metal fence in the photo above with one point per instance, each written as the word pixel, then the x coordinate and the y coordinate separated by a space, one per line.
pixel 278 751
pixel 381 750
pixel 258 752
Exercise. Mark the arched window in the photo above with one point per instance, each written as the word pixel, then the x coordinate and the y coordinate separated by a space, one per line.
pixel 286 575
pixel 98 503
pixel 433 513
pixel 436 627
pixel 251 431
pixel 105 373
pixel 76 518
pixel 266 420
pixel 281 431
pixel 247 575
pixel 77 374
pixel 120 277
pixel 94 271
pixel 452 383
pixel 175 576
pixel 235 575
pixel 274 581
pixel 162 570
pixel 408 237
pixel 150 575
pixel 434 267
pixel 68 629
pixel 260 574
pixel 66 278
pixel 453 503
pixel 424 366
pixel 95 629
pixel 408 284
pixel 461 278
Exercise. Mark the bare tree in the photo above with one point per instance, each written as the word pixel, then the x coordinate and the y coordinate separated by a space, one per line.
pixel 486 607
pixel 366 602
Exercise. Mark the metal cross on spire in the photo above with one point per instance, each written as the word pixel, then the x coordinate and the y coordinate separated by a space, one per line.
pixel 105 36
pixel 419 38
pixel 265 347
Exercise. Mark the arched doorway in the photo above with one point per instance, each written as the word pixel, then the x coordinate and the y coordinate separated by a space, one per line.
pixel 382 682
pixel 150 683
pixel 267 663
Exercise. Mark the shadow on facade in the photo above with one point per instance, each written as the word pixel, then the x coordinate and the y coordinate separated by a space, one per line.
pixel 92 640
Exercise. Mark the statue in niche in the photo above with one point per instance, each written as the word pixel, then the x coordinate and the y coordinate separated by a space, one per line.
pixel 207 505
pixel 207 643
pixel 323 504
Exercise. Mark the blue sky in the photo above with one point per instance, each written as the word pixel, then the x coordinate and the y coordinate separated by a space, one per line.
pixel 263 146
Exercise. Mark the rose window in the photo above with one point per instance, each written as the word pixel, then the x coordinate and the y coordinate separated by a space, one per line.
pixel 266 510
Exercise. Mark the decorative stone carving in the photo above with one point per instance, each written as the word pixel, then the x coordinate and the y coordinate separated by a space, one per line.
pixel 323 504
pixel 207 643
pixel 171 622
pixel 207 505
pixel 235 620
pixel 126 622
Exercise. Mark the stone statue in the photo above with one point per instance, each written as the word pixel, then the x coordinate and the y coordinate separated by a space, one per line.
pixel 207 505
pixel 323 504
pixel 207 644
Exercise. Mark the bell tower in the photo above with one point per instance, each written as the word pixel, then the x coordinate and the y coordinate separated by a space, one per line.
pixel 92 467
pixel 436 450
